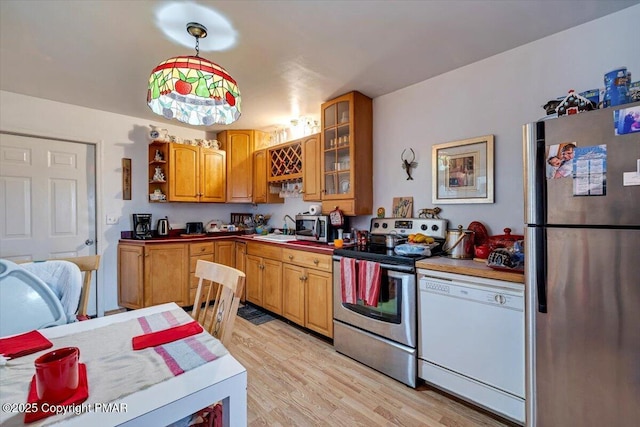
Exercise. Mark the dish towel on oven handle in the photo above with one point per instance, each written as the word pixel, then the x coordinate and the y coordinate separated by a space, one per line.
pixel 369 274
pixel 348 280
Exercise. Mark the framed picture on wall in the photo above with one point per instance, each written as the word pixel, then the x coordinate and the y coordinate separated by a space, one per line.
pixel 126 179
pixel 463 171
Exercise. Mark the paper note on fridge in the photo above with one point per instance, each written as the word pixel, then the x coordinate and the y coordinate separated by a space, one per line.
pixel 630 178
pixel 590 171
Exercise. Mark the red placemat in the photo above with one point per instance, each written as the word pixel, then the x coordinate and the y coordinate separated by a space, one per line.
pixel 23 344
pixel 81 394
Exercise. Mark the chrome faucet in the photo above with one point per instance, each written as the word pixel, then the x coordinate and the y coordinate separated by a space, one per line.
pixel 289 230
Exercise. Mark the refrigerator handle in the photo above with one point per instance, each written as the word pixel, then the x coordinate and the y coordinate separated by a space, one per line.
pixel 541 268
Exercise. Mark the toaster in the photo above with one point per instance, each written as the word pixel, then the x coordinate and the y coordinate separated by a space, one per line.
pixel 195 228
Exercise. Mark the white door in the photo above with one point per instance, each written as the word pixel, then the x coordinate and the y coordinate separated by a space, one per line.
pixel 47 199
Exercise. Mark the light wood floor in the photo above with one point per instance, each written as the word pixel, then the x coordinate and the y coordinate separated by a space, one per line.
pixel 296 379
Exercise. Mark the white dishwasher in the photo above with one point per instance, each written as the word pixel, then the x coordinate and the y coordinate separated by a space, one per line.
pixel 471 339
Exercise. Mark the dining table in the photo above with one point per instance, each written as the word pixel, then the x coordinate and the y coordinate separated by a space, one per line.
pixel 153 386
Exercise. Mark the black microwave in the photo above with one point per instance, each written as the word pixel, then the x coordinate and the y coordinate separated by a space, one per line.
pixel 316 228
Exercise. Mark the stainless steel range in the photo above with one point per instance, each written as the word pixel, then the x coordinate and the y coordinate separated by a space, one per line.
pixel 383 335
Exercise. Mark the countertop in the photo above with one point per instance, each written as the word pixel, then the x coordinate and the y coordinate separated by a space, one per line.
pixel 320 248
pixel 437 263
pixel 302 245
pixel 468 267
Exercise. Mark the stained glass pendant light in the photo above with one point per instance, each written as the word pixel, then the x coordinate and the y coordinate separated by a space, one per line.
pixel 194 90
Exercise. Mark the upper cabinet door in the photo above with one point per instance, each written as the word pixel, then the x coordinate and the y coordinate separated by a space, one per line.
pixel 184 173
pixel 347 154
pixel 311 172
pixel 213 173
pixel 239 146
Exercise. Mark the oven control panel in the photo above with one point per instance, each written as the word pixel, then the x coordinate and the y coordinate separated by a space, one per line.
pixel 436 228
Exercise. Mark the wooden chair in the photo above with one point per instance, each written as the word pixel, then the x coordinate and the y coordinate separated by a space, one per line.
pixel 219 322
pixel 87 265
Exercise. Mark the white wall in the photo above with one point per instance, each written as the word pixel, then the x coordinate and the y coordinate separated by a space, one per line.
pixel 494 96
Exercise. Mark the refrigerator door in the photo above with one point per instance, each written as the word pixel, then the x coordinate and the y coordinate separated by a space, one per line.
pixel 586 347
pixel 621 205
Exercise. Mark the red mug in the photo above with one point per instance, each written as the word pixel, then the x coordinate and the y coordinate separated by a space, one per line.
pixel 57 375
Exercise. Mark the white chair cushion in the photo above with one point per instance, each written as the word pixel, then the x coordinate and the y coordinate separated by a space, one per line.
pixel 65 280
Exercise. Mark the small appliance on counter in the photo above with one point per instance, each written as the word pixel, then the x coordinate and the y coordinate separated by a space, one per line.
pixel 318 228
pixel 194 228
pixel 163 226
pixel 142 226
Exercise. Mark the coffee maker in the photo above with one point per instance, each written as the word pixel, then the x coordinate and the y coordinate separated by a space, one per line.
pixel 142 226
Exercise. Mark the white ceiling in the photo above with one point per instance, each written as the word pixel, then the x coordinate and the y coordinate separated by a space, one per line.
pixel 290 55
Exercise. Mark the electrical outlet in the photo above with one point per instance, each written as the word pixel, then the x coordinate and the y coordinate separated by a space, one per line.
pixel 112 219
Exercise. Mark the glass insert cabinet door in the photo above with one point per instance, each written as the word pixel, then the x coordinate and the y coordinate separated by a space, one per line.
pixel 337 150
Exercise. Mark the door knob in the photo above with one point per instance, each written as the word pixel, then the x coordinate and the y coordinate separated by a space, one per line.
pixel 89 242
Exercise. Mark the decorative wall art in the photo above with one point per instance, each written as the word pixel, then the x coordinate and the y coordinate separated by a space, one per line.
pixel 126 179
pixel 463 171
pixel 403 207
pixel 408 162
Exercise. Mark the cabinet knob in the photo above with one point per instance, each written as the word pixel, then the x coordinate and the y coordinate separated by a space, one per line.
pixel 301 277
pixel 304 277
pixel 316 261
pixel 290 256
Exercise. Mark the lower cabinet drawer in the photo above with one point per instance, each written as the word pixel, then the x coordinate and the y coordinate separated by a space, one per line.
pixel 193 260
pixel 264 251
pixel 307 259
pixel 201 248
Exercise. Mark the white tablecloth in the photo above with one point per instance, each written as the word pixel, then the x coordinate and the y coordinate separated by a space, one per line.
pixel 114 370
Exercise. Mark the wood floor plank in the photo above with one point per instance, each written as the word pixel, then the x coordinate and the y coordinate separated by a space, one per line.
pixel 297 379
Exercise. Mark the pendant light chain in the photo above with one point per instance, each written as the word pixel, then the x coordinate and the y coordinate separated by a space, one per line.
pixel 197 46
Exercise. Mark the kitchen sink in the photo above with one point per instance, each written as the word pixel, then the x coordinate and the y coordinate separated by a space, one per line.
pixel 278 238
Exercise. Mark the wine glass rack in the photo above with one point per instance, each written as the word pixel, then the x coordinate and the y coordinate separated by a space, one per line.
pixel 285 162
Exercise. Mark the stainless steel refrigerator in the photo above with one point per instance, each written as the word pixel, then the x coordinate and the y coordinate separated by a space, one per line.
pixel 582 270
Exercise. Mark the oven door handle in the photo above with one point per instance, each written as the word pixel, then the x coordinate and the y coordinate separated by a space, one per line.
pixel 390 267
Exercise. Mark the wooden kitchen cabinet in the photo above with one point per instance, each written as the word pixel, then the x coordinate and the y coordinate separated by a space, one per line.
pixel 241 252
pixel 293 293
pixel 311 168
pixel 239 146
pixel 264 276
pixel 225 252
pixel 130 276
pixel 213 176
pixel 188 173
pixel 152 274
pixel 347 154
pixel 261 192
pixel 198 251
pixel 272 285
pixel 307 290
pixel 196 174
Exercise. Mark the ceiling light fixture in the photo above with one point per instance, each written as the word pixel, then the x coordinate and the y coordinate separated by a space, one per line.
pixel 194 90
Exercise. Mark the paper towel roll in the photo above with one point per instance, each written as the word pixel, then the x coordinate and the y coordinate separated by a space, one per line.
pixel 315 209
